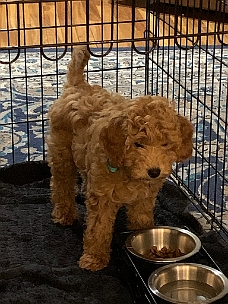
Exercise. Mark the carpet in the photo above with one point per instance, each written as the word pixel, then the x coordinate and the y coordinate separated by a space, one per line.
pixel 38 259
pixel 196 78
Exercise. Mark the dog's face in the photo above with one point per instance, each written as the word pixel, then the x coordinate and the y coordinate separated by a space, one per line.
pixel 148 139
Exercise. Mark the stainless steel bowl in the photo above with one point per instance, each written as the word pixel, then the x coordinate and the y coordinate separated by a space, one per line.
pixel 140 242
pixel 188 283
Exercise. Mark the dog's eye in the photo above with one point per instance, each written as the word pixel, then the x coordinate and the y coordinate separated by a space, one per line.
pixel 165 144
pixel 138 145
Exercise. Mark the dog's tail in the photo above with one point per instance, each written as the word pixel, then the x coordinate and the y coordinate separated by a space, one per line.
pixel 79 59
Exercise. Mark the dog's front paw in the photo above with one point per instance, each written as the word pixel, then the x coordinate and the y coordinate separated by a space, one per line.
pixel 64 217
pixel 92 262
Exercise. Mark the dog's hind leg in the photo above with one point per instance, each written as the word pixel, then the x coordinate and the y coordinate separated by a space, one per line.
pixel 63 184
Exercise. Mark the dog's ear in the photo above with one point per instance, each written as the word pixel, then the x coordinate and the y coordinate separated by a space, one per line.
pixel 184 151
pixel 113 138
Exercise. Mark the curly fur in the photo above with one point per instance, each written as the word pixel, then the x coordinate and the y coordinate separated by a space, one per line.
pixel 94 132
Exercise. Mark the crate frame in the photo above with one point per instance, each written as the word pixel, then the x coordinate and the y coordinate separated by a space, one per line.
pixel 168 29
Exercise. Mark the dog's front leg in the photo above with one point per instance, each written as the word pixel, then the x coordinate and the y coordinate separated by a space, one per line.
pixel 101 216
pixel 140 214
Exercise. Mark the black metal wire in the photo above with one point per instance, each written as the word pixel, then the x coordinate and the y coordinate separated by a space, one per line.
pixel 164 35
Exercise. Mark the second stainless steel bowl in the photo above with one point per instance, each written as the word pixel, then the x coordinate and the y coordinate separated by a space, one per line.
pixel 188 283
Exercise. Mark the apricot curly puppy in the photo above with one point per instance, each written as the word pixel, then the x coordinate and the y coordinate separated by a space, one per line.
pixel 123 149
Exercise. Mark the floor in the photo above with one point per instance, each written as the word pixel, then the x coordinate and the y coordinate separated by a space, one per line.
pixel 34 23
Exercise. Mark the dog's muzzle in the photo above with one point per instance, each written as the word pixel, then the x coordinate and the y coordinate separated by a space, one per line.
pixel 154 172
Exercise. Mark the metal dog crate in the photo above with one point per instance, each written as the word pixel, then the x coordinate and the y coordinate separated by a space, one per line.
pixel 174 48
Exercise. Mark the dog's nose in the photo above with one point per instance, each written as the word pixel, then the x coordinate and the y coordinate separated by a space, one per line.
pixel 154 172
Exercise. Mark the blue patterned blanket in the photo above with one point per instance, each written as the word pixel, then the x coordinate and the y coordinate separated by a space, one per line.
pixel 196 79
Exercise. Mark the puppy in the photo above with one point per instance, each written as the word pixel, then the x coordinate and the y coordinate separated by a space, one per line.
pixel 123 150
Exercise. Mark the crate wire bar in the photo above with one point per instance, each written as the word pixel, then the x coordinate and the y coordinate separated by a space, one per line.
pixel 174 48
pixel 195 74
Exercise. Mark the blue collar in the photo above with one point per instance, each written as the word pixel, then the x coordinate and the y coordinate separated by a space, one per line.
pixel 111 169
